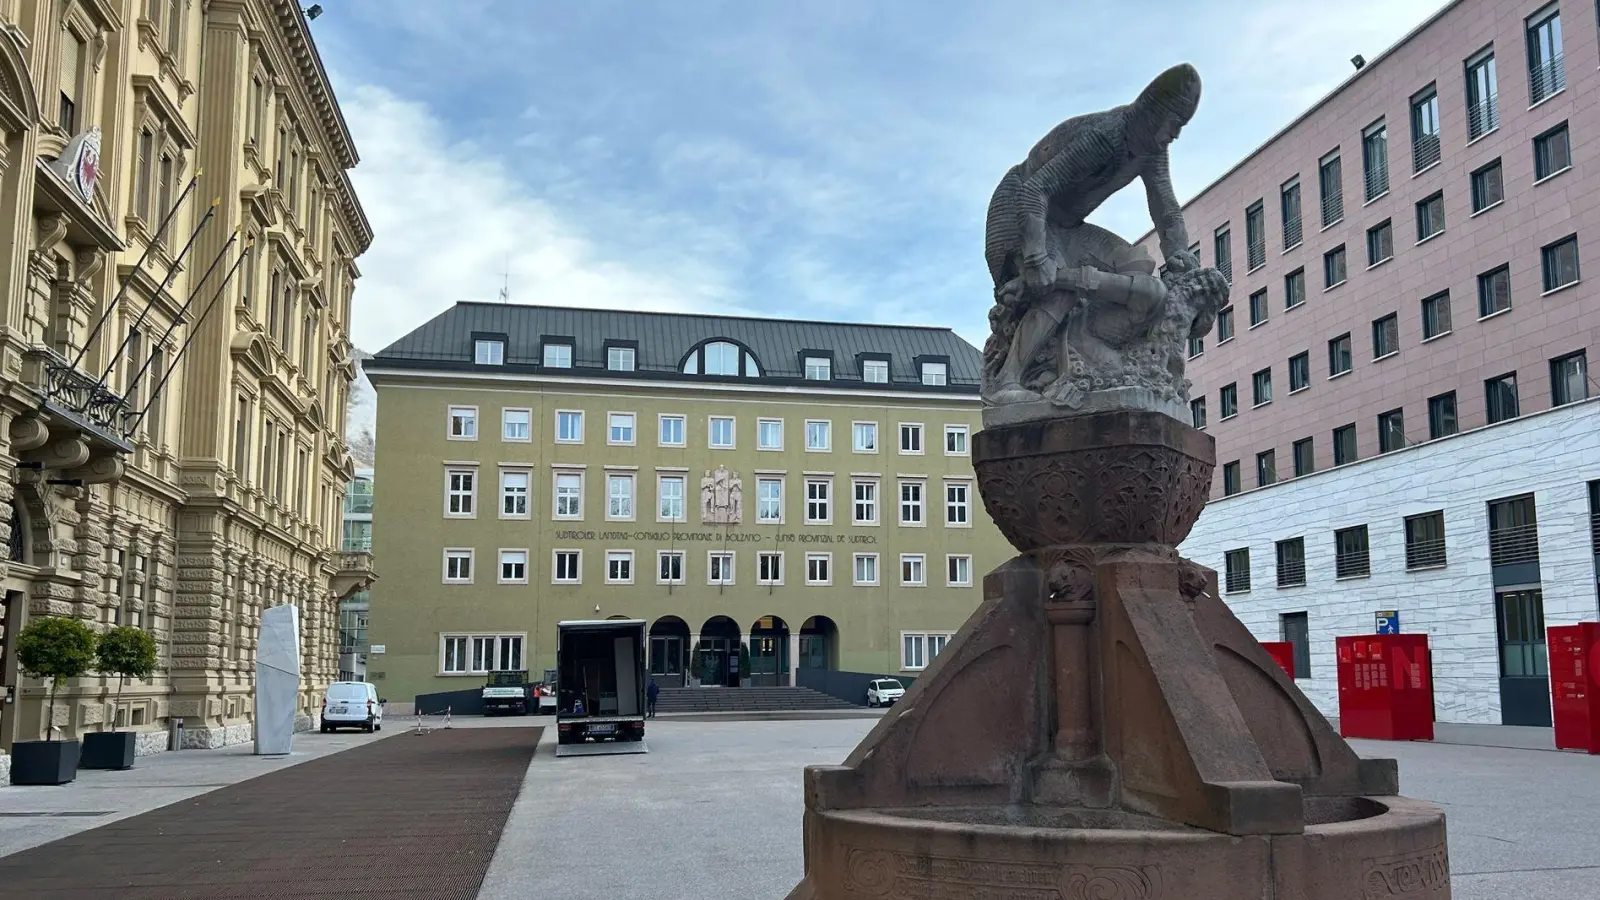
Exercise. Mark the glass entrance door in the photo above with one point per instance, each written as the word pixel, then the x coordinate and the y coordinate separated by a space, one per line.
pixel 714 661
pixel 1524 665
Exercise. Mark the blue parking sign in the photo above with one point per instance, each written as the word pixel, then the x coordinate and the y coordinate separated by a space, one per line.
pixel 1388 621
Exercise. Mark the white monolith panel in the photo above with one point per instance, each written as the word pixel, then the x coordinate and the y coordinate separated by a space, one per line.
pixel 277 680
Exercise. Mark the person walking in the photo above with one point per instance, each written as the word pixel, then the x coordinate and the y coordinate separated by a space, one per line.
pixel 651 693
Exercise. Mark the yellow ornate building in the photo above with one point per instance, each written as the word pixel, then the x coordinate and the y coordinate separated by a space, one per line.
pixel 177 236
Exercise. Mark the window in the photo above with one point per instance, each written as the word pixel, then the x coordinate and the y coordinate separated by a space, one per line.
pixel 1292 562
pixel 958 571
pixel 569 426
pixel 1430 217
pixel 1230 479
pixel 1255 235
pixel 864 437
pixel 957 503
pixel 913 651
pixel 672 431
pixel 463 423
pixel 619 496
pixel 1351 559
pixel 864 509
pixel 1391 430
pixel 1296 630
pixel 558 356
pixel 620 359
pixel 513 494
pixel 1197 412
pixel 769 500
pixel 568 567
pixel 1224 324
pixel 460 492
pixel 458 566
pixel 1289 201
pixel 1258 307
pixel 913 570
pixel 1488 187
pixel 1294 288
pixel 720 432
pixel 1330 182
pixel 453 655
pixel 1339 355
pixel 1375 159
pixel 619 567
pixel 911 503
pixel 620 428
pixel 1380 243
pixel 1569 378
pixel 910 438
pixel 935 373
pixel 1344 445
pixel 719 568
pixel 516 424
pixel 875 371
pixel 1424 129
pixel 819 493
pixel 1222 244
pixel 670 490
pixel 144 185
pixel 1552 152
pixel 819 368
pixel 819 568
pixel 1197 346
pixel 1501 396
pixel 569 495
pixel 1266 468
pixel 669 567
pixel 72 60
pixel 1436 315
pixel 1333 267
pixel 1547 73
pixel 1442 415
pixel 955 440
pixel 513 566
pixel 1386 336
pixel 769 567
pixel 1425 540
pixel 1494 291
pixel 819 435
pixel 1483 96
pixel 1560 263
pixel 1299 372
pixel 866 568
pixel 1305 457
pixel 1229 397
pixel 1261 387
pixel 721 358
pixel 769 434
pixel 489 353
pixel 1236 568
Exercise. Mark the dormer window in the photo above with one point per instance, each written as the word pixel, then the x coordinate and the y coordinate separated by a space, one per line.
pixel 489 352
pixel 620 359
pixel 935 373
pixel 819 368
pixel 721 358
pixel 875 371
pixel 558 356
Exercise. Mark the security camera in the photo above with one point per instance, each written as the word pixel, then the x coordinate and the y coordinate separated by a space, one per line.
pixel 313 10
pixel 1358 61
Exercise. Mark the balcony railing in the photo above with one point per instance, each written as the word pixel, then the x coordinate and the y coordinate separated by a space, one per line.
pixel 1425 554
pixel 1377 179
pixel 1352 563
pixel 1257 253
pixel 1424 152
pixel 84 396
pixel 1292 573
pixel 1332 208
pixel 1291 233
pixel 358 504
pixel 357 544
pixel 1594 532
pixel 1546 78
pixel 1238 581
pixel 1514 544
pixel 1225 266
pixel 1483 117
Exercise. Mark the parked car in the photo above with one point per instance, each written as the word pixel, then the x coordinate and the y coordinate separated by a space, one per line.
pixel 884 692
pixel 352 704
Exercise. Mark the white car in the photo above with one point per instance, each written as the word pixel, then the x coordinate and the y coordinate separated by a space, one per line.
pixel 884 692
pixel 352 704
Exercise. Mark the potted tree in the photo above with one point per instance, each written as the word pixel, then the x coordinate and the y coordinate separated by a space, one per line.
pixel 126 652
pixel 57 649
pixel 744 664
pixel 696 664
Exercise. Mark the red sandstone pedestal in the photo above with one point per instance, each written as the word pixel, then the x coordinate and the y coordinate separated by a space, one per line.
pixel 1103 727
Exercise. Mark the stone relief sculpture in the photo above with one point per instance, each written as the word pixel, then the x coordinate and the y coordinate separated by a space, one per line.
pixel 721 497
pixel 1081 321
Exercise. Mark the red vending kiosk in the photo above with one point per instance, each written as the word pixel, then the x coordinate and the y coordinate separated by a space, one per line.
pixel 1385 687
pixel 1574 686
pixel 1283 652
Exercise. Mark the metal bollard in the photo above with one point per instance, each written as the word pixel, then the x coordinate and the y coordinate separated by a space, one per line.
pixel 175 733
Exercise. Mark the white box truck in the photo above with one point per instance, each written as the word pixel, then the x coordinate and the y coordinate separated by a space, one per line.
pixel 600 685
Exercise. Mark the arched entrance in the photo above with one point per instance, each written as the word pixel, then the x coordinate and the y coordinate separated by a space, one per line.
pixel 819 644
pixel 669 651
pixel 716 660
pixel 769 651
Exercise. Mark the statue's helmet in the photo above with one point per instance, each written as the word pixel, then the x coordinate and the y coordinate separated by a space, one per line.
pixel 1174 93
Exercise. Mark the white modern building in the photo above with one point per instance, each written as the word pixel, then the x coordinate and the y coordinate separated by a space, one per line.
pixel 355 609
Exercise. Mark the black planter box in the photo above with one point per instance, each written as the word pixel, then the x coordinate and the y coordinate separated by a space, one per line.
pixel 108 750
pixel 44 762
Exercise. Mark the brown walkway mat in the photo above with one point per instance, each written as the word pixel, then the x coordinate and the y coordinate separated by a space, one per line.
pixel 407 816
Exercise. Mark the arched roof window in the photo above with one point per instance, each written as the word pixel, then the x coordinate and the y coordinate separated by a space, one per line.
pixel 723 358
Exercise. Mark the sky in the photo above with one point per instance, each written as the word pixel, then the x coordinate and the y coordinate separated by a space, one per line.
pixel 827 159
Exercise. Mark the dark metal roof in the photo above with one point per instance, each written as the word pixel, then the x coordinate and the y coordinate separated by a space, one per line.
pixel 663 340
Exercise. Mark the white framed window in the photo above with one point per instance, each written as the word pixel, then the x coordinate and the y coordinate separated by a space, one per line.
pixel 619 496
pixel 514 484
pixel 819 568
pixel 819 435
pixel 958 504
pixel 569 426
pixel 875 371
pixel 458 565
pixel 669 494
pixel 719 567
pixel 509 657
pixel 516 424
pixel 620 359
pixel 864 437
pixel 819 368
pixel 769 567
pixel 958 570
pixel 453 654
pixel 769 434
pixel 461 493
pixel 769 501
pixel 489 353
pixel 935 374
pixel 463 423
pixel 558 356
pixel 864 508
pixel 669 567
pixel 478 654
pixel 483 647
pixel 513 567
pixel 955 440
pixel 720 432
pixel 911 503
pixel 913 569
pixel 568 495
pixel 918 650
pixel 566 566
pixel 619 567
pixel 866 569
pixel 819 497
pixel 911 438
pixel 619 428
pixel 671 430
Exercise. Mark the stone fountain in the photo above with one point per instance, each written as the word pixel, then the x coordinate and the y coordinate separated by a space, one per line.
pixel 1103 727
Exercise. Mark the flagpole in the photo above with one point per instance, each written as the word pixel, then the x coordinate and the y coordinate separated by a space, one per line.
pixel 182 312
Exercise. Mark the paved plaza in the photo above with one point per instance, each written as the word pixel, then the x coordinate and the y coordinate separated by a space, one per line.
pixel 713 811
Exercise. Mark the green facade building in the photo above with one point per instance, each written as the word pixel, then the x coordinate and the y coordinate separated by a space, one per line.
pixel 803 490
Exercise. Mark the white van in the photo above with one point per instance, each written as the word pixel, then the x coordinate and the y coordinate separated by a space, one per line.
pixel 352 704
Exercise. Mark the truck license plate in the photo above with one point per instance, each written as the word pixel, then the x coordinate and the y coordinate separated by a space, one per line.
pixel 602 729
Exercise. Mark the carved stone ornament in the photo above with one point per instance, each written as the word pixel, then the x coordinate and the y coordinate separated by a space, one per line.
pixel 721 497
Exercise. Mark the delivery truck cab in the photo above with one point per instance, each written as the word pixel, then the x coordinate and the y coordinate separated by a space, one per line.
pixel 600 681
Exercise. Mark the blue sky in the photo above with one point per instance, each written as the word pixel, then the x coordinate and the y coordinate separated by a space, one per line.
pixel 823 159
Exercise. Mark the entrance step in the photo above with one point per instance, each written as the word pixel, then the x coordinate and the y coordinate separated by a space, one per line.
pixel 746 699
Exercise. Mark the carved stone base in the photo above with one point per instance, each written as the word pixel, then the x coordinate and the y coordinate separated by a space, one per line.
pixel 1108 400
